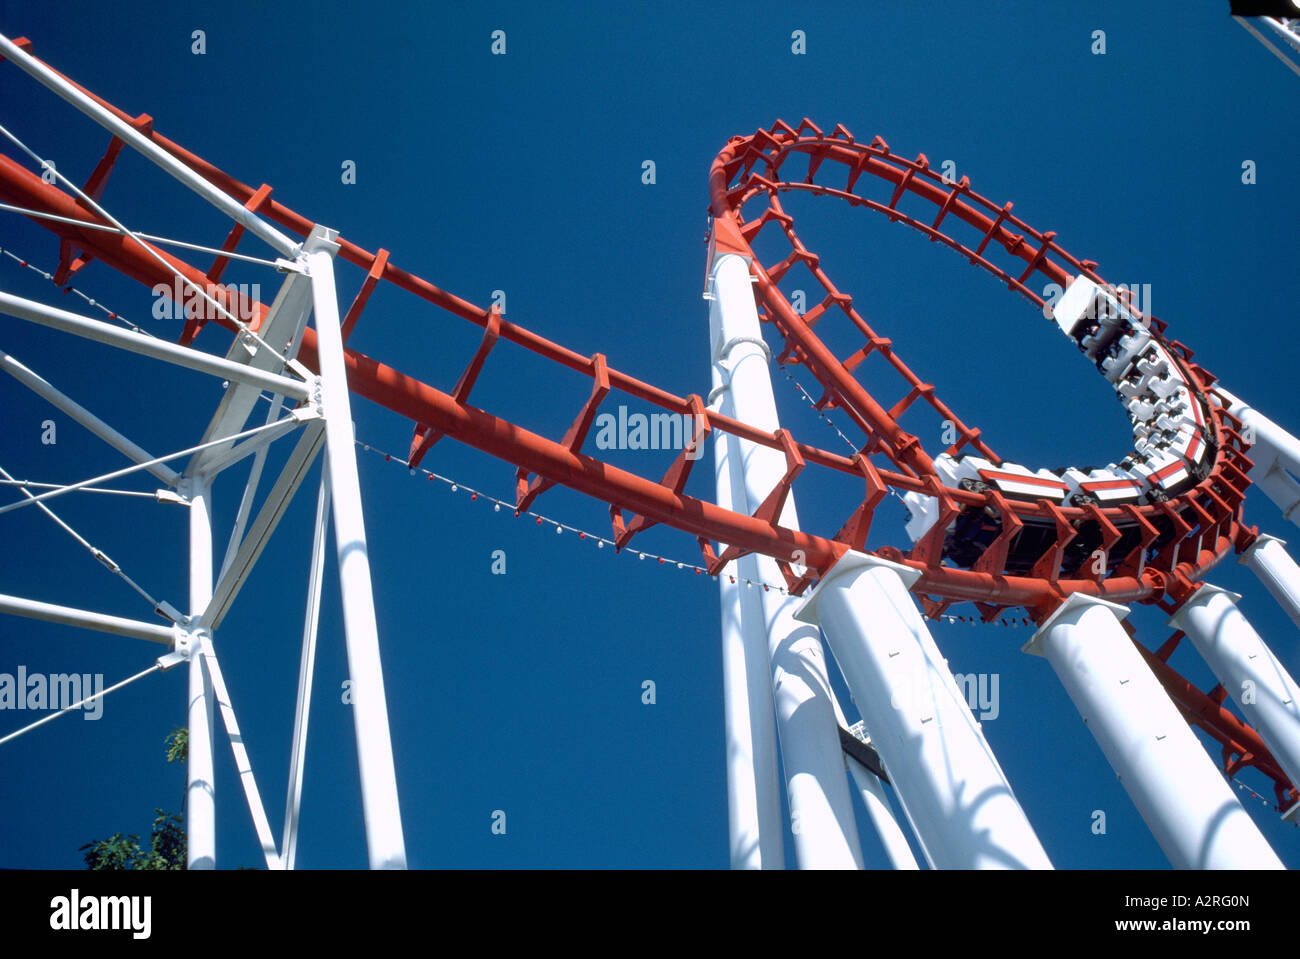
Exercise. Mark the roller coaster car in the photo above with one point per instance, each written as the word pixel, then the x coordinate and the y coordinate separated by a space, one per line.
pixel 977 526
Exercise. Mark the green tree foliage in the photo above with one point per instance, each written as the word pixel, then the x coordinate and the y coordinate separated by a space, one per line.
pixel 166 838
pixel 178 746
pixel 166 847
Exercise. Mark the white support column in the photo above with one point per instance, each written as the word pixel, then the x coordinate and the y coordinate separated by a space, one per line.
pixel 1275 451
pixel 753 790
pixel 200 793
pixel 1274 444
pixel 882 817
pixel 369 704
pixel 821 808
pixel 1277 485
pixel 1256 681
pixel 872 792
pixel 1180 793
pixel 938 761
pixel 1268 559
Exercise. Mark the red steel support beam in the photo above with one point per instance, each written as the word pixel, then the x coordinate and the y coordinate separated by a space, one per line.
pixel 662 502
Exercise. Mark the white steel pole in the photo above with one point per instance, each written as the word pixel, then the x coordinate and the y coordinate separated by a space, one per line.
pixel 243 765
pixel 1181 795
pixel 89 420
pixel 882 817
pixel 86 619
pixel 306 668
pixel 872 792
pixel 1277 485
pixel 200 793
pixel 938 761
pixel 369 705
pixel 1272 564
pixel 821 808
pixel 753 790
pixel 137 141
pixel 1274 444
pixel 250 493
pixel 1248 670
pixel 159 349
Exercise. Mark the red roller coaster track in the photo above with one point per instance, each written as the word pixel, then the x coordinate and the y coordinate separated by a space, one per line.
pixel 1177 540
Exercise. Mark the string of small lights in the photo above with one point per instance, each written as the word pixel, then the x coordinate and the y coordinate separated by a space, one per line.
pixel 69 288
pixel 540 519
pixel 560 527
pixel 1263 800
pixel 600 542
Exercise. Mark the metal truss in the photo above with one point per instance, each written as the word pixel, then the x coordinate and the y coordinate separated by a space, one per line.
pixel 1165 543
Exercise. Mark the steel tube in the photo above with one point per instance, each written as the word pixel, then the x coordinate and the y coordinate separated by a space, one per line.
pixel 150 346
pixel 200 789
pixel 882 817
pixel 1268 559
pixel 942 768
pixel 369 706
pixel 754 821
pixel 41 387
pixel 821 809
pixel 1183 798
pixel 85 619
pixel 1269 698
pixel 133 138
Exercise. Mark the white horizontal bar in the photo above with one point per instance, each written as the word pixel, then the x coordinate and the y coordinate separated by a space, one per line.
pixel 148 346
pixel 69 616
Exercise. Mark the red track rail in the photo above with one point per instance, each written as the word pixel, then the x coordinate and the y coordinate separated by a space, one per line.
pixel 1206 519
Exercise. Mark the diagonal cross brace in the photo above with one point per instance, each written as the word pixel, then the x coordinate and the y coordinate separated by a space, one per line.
pixel 70 265
pixel 425 436
pixel 196 320
pixel 679 472
pixel 1048 566
pixel 254 205
pixel 994 558
pixel 373 276
pixel 526 492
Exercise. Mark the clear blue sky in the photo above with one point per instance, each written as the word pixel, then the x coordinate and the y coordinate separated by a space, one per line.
pixel 523 173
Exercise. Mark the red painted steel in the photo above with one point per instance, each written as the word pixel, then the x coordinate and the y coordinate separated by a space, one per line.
pixel 1202 525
